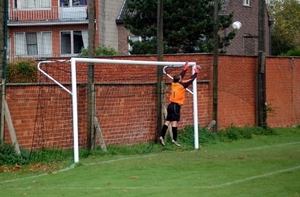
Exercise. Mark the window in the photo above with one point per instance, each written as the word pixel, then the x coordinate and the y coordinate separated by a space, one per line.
pixel 72 42
pixel 250 45
pixel 33 44
pixel 133 39
pixel 246 2
pixel 32 4
pixel 70 3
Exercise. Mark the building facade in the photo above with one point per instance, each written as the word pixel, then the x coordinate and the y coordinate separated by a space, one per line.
pixel 59 28
pixel 246 39
pixel 47 28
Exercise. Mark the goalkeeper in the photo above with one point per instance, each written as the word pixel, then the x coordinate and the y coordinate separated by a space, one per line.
pixel 176 101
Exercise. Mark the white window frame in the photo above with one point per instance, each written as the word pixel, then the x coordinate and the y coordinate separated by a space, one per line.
pixel 71 3
pixel 246 2
pixel 84 34
pixel 43 44
pixel 32 4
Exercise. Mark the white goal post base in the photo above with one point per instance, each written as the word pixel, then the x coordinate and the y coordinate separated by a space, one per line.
pixel 73 92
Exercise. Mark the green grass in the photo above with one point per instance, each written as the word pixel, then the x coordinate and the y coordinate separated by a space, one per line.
pixel 262 166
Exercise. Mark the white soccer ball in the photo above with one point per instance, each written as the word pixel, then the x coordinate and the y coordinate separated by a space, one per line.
pixel 237 25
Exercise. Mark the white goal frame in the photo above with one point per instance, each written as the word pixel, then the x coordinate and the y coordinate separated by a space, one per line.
pixel 73 92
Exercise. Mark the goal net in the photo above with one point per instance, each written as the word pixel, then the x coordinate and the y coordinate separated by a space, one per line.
pixel 125 102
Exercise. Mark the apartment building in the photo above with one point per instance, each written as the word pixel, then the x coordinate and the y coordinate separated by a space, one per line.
pixel 47 28
pixel 58 28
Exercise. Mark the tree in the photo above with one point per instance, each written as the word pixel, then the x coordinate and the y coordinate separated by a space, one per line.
pixel 286 28
pixel 188 26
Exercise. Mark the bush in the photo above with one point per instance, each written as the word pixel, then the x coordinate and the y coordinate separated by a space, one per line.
pixel 9 156
pixel 21 72
pixel 101 50
pixel 292 52
pixel 205 136
pixel 229 134
pixel 235 133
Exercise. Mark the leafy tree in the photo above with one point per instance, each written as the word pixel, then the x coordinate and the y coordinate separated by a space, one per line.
pixel 286 28
pixel 188 26
pixel 292 52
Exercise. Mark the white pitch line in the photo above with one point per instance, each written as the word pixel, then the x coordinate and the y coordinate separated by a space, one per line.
pixel 276 145
pixel 193 187
pixel 73 165
pixel 258 176
pixel 39 175
pixel 144 156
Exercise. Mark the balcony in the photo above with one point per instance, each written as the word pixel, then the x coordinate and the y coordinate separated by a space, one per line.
pixel 48 16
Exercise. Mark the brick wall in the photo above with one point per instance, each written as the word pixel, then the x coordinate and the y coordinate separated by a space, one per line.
pixel 126 99
pixel 236 90
pixel 283 90
pixel 122 39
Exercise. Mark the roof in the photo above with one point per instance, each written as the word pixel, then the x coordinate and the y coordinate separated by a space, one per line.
pixel 123 10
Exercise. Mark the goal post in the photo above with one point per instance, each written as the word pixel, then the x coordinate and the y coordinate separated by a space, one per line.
pixel 73 91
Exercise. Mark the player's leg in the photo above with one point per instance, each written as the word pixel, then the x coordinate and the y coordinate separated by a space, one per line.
pixel 163 131
pixel 169 119
pixel 176 118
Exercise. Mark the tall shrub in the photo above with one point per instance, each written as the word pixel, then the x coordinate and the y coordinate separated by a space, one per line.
pixel 24 71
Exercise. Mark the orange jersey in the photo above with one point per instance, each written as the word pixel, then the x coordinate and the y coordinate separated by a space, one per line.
pixel 178 93
pixel 178 89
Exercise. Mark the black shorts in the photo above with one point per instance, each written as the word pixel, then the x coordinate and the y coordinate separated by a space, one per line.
pixel 173 112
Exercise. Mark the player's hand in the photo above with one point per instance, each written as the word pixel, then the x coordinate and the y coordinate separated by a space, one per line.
pixel 186 66
pixel 196 70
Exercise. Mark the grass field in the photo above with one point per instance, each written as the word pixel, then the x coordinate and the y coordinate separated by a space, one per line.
pixel 265 166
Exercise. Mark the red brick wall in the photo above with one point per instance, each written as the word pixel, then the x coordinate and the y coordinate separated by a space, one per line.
pixel 126 99
pixel 236 91
pixel 122 39
pixel 283 90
